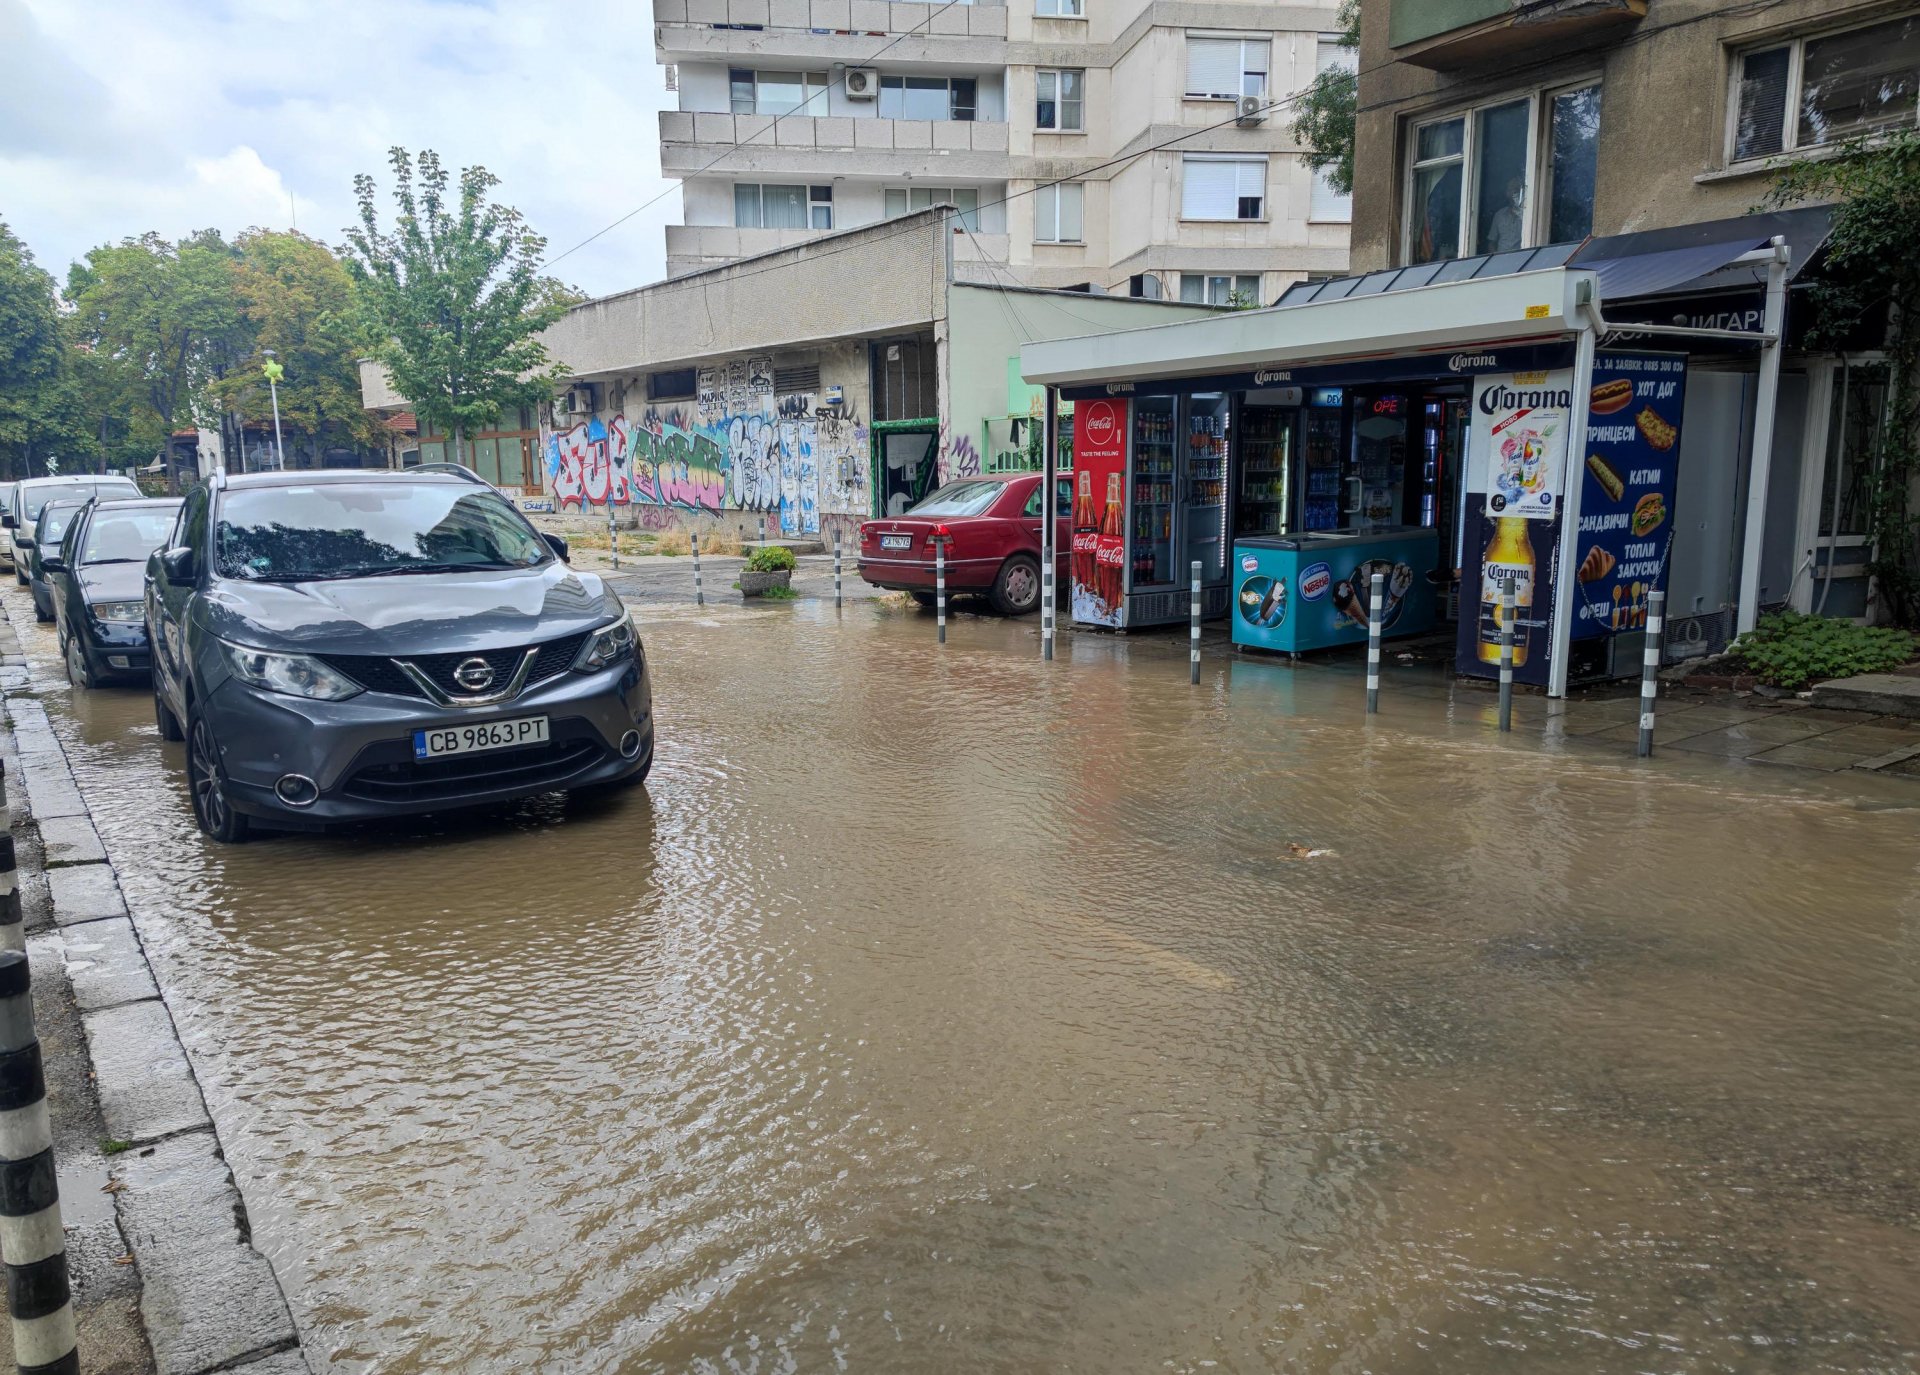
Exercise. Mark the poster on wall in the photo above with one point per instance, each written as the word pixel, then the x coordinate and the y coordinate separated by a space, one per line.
pixel 1098 571
pixel 1629 477
pixel 1519 441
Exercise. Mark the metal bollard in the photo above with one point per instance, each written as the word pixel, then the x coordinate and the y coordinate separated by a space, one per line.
pixel 31 1236
pixel 1046 607
pixel 763 529
pixel 836 569
pixel 940 584
pixel 613 538
pixel 1375 606
pixel 1193 628
pixel 1508 601
pixel 1650 669
pixel 699 596
pixel 13 934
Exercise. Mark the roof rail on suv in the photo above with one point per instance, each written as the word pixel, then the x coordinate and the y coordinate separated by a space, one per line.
pixel 458 468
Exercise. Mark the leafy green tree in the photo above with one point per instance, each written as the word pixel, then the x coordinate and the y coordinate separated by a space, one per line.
pixel 453 300
pixel 1324 124
pixel 30 350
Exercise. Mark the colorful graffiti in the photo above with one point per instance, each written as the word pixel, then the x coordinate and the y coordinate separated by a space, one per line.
pixel 740 448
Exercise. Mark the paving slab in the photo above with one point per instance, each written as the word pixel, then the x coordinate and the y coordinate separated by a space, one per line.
pixel 106 966
pixel 71 840
pixel 85 892
pixel 1725 744
pixel 209 1299
pixel 286 1363
pixel 1889 694
pixel 1894 756
pixel 49 797
pixel 1873 738
pixel 1808 755
pixel 146 1086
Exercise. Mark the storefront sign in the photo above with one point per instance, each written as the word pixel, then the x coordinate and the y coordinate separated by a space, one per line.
pixel 1626 503
pixel 1097 567
pixel 1516 453
pixel 1407 367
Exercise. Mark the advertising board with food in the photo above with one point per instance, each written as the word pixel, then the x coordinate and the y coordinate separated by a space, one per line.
pixel 1519 441
pixel 1626 505
pixel 1099 517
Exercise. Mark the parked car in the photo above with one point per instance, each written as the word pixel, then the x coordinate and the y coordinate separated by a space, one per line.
pixel 30 494
pixel 992 528
pixel 9 499
pixel 95 582
pixel 48 530
pixel 338 646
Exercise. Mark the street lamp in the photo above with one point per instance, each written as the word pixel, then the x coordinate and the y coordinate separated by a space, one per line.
pixel 274 373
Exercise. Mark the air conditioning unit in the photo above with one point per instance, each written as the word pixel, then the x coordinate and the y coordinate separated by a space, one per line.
pixel 863 83
pixel 1252 111
pixel 580 399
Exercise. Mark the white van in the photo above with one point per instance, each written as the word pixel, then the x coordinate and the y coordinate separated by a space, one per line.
pixel 25 498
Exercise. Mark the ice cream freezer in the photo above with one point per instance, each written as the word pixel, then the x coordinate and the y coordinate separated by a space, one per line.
pixel 1309 591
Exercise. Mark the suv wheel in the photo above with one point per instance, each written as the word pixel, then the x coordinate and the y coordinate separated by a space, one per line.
pixel 163 716
pixel 208 788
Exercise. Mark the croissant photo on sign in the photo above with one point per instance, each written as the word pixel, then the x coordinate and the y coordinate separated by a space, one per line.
pixel 1596 565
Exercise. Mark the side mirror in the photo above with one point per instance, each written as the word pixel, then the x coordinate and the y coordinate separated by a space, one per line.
pixel 177 565
pixel 25 541
pixel 558 545
pixel 9 521
pixel 53 563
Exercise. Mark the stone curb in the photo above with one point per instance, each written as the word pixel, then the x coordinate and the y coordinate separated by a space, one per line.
pixel 209 1301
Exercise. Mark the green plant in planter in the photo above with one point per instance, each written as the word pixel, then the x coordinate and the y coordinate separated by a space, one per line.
pixel 1789 649
pixel 771 558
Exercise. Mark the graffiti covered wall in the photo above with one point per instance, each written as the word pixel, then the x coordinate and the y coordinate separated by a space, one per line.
pixel 736 446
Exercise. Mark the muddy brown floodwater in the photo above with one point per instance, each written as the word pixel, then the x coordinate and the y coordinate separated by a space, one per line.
pixel 942 1011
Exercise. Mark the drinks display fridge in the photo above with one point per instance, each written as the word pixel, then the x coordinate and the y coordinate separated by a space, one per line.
pixel 1263 458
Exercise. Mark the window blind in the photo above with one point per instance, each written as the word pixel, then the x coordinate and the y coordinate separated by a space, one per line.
pixel 1214 187
pixel 1213 67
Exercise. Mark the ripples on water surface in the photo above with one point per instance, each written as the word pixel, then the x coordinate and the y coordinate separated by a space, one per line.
pixel 940 1011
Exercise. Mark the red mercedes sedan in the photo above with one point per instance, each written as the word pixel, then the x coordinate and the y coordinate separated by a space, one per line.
pixel 992 528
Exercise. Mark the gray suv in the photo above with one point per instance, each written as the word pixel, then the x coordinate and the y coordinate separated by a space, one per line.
pixel 342 646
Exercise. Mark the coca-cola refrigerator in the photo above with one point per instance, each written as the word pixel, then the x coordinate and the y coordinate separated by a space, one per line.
pixel 1150 498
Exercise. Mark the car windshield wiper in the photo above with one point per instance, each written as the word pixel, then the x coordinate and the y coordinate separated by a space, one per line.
pixel 398 569
pixel 95 563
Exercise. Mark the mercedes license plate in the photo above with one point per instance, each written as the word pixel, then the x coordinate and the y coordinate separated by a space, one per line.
pixel 486 735
pixel 896 541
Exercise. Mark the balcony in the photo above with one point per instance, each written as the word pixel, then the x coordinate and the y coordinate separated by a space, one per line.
pixel 833 146
pixel 1447 34
pixel 828 30
pixel 691 247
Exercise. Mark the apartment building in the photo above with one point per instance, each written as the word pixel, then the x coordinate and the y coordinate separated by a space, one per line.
pixel 1132 147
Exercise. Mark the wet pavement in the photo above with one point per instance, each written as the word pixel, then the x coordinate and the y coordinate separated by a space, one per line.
pixel 940 1009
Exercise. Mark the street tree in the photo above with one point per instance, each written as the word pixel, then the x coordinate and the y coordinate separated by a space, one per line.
pixel 1324 122
pixel 30 349
pixel 452 296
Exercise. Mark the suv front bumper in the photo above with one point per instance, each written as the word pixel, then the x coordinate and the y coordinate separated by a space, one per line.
pixel 360 752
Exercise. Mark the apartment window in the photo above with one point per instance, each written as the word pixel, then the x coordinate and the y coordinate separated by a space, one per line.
pixel 1058 213
pixel 1060 99
pixel 1060 9
pixel 928 97
pixel 1328 205
pixel 1220 289
pixel 1826 88
pixel 904 200
pixel 1226 68
pixel 1491 180
pixel 777 93
pixel 1144 285
pixel 769 207
pixel 1223 188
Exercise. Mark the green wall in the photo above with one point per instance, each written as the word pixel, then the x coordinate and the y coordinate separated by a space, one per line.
pixel 1412 20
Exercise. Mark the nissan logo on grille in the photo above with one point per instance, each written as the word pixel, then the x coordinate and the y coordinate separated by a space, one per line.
pixel 475 674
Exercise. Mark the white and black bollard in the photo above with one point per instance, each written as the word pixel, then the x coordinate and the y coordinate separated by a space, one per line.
pixel 693 542
pixel 1193 628
pixel 1508 605
pixel 836 568
pixel 763 530
pixel 31 1237
pixel 1046 605
pixel 1376 598
pixel 940 584
pixel 13 933
pixel 613 538
pixel 1650 669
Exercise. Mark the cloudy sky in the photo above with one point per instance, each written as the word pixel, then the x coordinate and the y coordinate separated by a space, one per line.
pixel 120 116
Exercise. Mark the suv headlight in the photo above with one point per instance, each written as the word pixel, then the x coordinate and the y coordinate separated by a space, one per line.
pixel 297 675
pixel 607 645
pixel 125 613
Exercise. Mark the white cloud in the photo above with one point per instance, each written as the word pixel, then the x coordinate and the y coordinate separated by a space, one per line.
pixel 177 115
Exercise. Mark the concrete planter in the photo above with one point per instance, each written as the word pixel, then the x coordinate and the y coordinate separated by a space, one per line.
pixel 758 584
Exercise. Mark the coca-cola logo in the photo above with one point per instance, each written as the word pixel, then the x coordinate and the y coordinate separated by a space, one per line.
pixel 1101 423
pixel 1110 554
pixel 1085 541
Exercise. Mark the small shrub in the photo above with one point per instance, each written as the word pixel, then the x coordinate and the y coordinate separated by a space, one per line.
pixel 673 542
pixel 1789 650
pixel 780 594
pixel 772 558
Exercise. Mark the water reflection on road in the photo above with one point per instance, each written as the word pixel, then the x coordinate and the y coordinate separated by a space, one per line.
pixel 946 1011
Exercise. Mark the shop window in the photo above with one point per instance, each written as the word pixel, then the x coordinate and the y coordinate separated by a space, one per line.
pixel 1855 82
pixel 1241 291
pixel 777 93
pixel 1060 9
pixel 928 97
pixel 769 207
pixel 1503 208
pixel 1226 68
pixel 904 200
pixel 1060 99
pixel 1058 213
pixel 1216 188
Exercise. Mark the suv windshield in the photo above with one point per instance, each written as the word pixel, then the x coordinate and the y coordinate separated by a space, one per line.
pixel 127 536
pixel 968 497
pixel 365 529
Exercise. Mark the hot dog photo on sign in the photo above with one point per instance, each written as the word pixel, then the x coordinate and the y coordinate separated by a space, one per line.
pixel 1629 469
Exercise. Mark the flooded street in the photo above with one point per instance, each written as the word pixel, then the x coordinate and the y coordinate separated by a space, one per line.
pixel 940 1010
